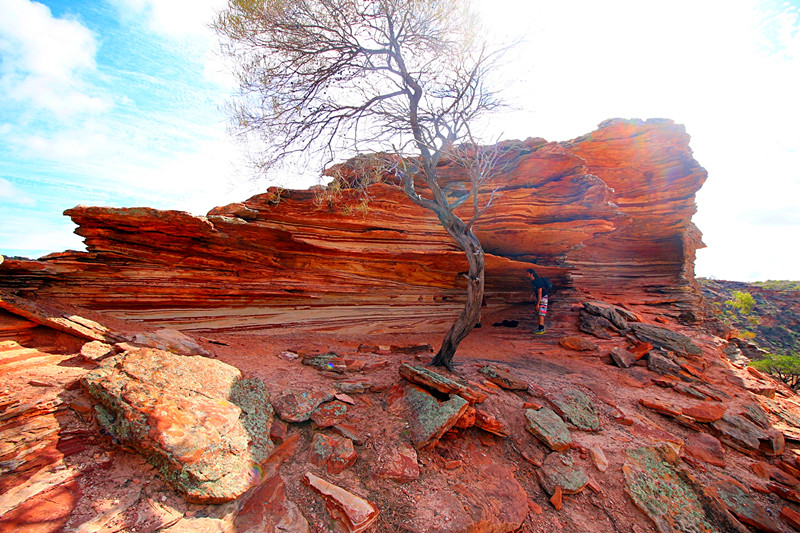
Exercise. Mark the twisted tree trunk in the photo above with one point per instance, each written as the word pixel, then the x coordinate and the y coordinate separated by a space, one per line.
pixel 466 321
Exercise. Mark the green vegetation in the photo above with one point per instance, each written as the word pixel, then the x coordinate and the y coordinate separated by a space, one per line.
pixel 783 367
pixel 766 313
pixel 779 285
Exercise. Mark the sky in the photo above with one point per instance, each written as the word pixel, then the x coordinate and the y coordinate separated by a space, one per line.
pixel 121 103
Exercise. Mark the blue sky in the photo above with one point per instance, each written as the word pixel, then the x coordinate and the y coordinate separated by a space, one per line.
pixel 119 102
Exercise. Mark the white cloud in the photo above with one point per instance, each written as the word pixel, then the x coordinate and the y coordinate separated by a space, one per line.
pixel 12 195
pixel 45 60
pixel 175 18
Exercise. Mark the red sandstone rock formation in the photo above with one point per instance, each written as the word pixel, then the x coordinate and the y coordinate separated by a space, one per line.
pixel 609 212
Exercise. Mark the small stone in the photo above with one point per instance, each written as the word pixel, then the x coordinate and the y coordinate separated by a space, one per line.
pixel 346 398
pixel 598 458
pixel 622 357
pixel 350 431
pixel 661 407
pixel 352 512
pixel 557 499
pixel 277 431
pixel 452 465
pixel 535 507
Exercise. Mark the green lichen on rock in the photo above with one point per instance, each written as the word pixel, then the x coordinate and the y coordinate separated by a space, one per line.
pixel 577 409
pixel 180 413
pixel 252 397
pixel 429 417
pixel 670 497
pixel 548 427
pixel 560 470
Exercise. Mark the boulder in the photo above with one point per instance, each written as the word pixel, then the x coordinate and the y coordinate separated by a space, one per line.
pixel 595 325
pixel 743 435
pixel 179 412
pixel 549 428
pixel 171 340
pixel 617 316
pixel 660 362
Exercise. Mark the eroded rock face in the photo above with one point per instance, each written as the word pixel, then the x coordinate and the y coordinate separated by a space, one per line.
pixel 610 211
pixel 180 413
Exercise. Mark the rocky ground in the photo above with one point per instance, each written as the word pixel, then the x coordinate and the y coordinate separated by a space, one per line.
pixel 533 433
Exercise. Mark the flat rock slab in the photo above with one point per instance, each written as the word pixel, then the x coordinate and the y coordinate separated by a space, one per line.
pixel 433 380
pixel 561 470
pixel 428 417
pixel 706 448
pixel 670 496
pixel 661 363
pixel 741 434
pixel 667 339
pixel 740 502
pixel 548 427
pixel 297 406
pixel 576 408
pixel 179 412
pixel 503 378
pixel 577 343
pixel 705 411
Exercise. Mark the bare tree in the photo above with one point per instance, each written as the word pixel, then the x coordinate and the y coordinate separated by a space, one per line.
pixel 323 77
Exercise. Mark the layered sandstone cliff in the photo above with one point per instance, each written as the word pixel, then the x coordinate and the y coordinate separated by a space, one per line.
pixel 608 214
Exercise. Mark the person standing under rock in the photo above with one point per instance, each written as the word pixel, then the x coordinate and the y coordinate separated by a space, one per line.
pixel 540 286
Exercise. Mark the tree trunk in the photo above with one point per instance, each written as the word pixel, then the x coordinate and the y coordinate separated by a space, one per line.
pixel 472 308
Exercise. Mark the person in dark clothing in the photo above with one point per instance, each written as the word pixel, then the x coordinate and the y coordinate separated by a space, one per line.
pixel 541 287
